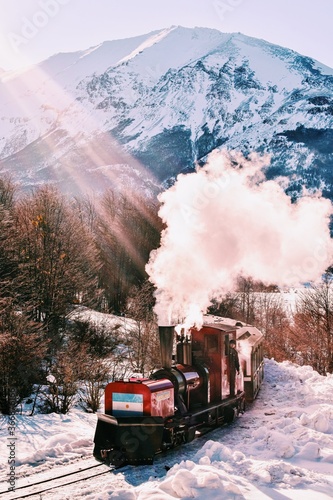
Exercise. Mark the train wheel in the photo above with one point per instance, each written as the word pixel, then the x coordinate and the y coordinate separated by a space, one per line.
pixel 190 434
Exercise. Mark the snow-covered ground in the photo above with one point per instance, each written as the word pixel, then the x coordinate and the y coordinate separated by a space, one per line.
pixel 281 448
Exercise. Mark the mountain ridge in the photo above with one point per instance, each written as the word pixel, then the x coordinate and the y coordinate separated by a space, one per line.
pixel 163 101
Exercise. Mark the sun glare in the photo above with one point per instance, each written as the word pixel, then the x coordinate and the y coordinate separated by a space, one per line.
pixel 60 132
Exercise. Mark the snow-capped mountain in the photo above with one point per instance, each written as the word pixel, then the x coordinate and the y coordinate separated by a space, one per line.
pixel 149 107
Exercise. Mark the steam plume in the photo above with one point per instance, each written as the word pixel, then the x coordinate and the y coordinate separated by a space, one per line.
pixel 226 219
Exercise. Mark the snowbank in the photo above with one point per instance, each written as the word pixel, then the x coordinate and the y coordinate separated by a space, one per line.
pixel 283 445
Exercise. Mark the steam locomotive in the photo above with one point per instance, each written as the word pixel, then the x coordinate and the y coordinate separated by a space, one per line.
pixel 185 398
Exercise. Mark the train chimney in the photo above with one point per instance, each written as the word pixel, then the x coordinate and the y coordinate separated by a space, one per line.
pixel 166 334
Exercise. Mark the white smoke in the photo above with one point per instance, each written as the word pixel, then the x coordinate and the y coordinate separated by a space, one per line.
pixel 226 219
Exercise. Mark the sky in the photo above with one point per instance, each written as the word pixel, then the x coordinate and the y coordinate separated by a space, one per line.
pixel 280 448
pixel 33 30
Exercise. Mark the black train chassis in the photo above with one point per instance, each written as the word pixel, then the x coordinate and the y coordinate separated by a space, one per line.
pixel 136 440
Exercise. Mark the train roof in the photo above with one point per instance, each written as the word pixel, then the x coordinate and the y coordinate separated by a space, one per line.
pixel 222 323
pixel 243 331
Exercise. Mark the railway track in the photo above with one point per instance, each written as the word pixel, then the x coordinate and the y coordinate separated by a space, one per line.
pixel 35 485
pixel 41 485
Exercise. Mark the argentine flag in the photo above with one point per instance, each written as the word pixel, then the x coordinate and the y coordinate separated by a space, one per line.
pixel 127 405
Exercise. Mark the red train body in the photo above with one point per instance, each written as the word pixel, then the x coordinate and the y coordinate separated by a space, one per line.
pixel 140 397
pixel 192 395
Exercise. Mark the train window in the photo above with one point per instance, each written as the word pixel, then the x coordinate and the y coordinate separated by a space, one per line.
pixel 196 346
pixel 197 349
pixel 212 343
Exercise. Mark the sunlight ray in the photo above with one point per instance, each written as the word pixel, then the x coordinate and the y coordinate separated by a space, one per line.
pixel 69 124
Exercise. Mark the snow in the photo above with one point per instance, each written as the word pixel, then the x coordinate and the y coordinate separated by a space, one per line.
pixel 282 447
pixel 173 48
pixel 98 319
pixel 260 53
pixel 146 44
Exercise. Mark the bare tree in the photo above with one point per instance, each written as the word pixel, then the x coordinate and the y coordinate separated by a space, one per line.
pixel 246 299
pixel 312 334
pixel 95 375
pixel 8 267
pixel 261 305
pixel 56 257
pixel 63 380
pixel 7 192
pixel 272 320
pixel 22 348
pixel 127 229
pixel 144 350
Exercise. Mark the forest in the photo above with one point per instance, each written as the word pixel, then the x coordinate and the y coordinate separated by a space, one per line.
pixel 59 253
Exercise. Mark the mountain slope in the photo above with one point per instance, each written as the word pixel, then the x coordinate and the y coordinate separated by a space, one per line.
pixel 163 101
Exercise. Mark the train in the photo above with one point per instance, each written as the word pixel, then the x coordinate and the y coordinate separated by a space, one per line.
pixel 194 391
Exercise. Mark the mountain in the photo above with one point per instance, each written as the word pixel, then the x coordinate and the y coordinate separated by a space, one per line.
pixel 141 110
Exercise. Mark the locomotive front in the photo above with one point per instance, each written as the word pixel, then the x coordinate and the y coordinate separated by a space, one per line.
pixel 132 428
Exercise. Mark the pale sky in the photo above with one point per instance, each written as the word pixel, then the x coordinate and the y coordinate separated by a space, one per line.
pixel 33 30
